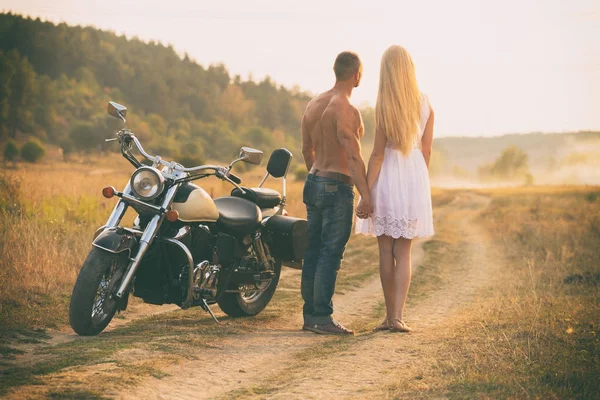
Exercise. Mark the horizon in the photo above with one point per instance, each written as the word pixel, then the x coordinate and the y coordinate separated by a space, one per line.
pixel 568 35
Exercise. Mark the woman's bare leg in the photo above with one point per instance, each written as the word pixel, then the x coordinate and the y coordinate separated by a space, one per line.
pixel 386 272
pixel 402 275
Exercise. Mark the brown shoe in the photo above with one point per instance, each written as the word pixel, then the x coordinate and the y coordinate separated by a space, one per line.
pixel 397 325
pixel 310 328
pixel 331 328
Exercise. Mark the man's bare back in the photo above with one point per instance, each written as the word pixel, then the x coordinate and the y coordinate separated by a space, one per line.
pixel 323 118
pixel 331 132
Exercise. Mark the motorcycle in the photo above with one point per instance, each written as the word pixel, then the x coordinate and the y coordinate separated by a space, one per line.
pixel 185 247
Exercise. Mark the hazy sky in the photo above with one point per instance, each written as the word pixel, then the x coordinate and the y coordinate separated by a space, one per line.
pixel 489 67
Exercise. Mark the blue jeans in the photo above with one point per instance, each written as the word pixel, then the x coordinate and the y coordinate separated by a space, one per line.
pixel 330 211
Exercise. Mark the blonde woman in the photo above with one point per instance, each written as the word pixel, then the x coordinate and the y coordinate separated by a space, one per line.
pixel 398 179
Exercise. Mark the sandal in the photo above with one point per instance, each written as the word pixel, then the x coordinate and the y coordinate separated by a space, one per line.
pixel 397 325
pixel 384 326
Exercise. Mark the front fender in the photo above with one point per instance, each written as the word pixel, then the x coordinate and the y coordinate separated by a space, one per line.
pixel 117 240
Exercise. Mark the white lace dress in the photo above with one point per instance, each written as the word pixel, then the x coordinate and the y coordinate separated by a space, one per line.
pixel 401 194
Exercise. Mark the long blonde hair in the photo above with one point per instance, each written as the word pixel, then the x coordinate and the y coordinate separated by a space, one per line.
pixel 398 108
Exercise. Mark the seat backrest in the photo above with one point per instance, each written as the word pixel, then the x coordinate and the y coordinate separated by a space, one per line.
pixel 279 162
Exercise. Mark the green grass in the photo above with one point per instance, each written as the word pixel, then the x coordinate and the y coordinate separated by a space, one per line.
pixel 75 394
pixel 9 352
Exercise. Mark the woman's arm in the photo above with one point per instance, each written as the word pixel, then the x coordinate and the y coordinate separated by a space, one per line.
pixel 427 139
pixel 374 167
pixel 376 159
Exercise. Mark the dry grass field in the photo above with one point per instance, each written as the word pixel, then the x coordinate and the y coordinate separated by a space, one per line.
pixel 533 331
pixel 505 303
pixel 50 212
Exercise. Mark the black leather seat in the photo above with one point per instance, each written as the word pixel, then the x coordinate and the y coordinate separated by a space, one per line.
pixel 237 216
pixel 262 197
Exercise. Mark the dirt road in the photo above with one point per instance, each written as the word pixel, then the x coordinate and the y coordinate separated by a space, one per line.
pixel 275 359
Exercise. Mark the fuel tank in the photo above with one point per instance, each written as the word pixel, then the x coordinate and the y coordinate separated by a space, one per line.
pixel 194 205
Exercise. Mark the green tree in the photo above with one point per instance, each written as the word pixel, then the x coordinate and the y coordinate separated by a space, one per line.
pixel 512 163
pixel 259 138
pixel 32 151
pixel 11 151
pixel 7 70
pixel 22 95
pixel 45 110
pixel 54 79
pixel 190 155
pixel 89 135
pixel 233 105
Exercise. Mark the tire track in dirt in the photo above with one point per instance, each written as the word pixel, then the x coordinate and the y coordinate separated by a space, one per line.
pixel 236 361
pixel 244 360
pixel 366 366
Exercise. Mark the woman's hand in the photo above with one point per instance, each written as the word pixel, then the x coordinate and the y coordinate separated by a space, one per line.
pixel 364 209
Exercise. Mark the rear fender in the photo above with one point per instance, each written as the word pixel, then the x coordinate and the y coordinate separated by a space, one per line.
pixel 117 240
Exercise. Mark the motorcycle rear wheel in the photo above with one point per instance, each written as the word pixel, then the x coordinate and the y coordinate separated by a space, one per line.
pixel 249 303
pixel 92 305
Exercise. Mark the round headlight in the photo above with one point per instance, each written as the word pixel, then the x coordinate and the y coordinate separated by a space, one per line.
pixel 147 183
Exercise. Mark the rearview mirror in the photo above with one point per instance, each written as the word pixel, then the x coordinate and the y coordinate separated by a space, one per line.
pixel 250 155
pixel 116 110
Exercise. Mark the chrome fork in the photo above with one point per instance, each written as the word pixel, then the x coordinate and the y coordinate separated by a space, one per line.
pixel 146 240
pixel 118 211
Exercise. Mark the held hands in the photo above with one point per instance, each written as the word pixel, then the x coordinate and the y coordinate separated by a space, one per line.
pixel 364 209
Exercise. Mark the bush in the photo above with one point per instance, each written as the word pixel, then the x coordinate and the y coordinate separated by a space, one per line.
pixel 512 164
pixel 300 172
pixel 190 154
pixel 32 151
pixel 529 179
pixel 11 151
pixel 89 135
pixel 190 161
pixel 10 197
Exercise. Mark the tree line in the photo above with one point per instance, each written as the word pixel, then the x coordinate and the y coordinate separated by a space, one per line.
pixel 55 82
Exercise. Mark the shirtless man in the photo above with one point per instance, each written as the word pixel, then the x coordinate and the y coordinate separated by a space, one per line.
pixel 331 133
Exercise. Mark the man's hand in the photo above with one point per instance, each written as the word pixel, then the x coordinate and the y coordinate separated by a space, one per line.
pixel 364 209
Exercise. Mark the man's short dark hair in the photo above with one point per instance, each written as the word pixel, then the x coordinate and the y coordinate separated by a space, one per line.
pixel 346 64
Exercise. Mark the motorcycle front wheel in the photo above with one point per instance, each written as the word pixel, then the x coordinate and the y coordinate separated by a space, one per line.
pixel 251 302
pixel 92 303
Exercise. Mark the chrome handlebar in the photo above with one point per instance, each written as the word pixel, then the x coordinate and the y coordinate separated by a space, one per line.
pixel 220 172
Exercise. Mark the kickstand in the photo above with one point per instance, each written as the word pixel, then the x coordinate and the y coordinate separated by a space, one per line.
pixel 205 307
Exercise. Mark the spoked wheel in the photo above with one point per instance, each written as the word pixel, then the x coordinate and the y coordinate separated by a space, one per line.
pixel 252 296
pixel 250 302
pixel 93 304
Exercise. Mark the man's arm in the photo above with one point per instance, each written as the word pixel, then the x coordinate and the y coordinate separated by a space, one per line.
pixel 348 131
pixel 308 150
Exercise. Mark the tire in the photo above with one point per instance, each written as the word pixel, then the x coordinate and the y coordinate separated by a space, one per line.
pixel 250 303
pixel 92 307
